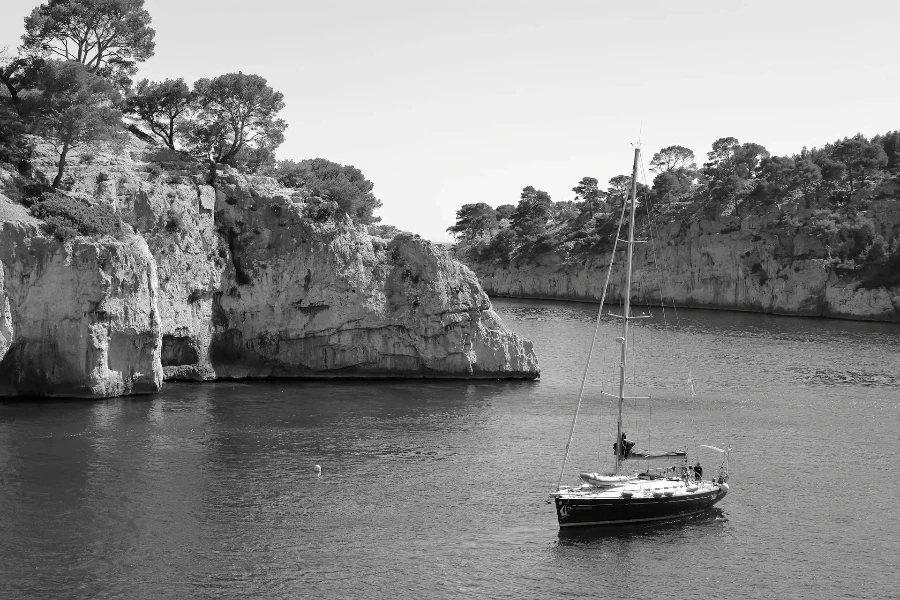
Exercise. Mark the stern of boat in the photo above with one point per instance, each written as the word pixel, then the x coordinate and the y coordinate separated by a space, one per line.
pixel 724 488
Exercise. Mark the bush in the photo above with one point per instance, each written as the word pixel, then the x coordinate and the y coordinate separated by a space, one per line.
pixel 498 250
pixel 36 190
pixel 24 167
pixel 13 146
pixel 321 210
pixel 174 220
pixel 343 184
pixel 534 246
pixel 66 217
pixel 60 228
pixel 155 171
pixel 884 267
pixel 387 232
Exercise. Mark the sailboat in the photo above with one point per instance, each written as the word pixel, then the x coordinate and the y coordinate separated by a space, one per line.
pixel 625 496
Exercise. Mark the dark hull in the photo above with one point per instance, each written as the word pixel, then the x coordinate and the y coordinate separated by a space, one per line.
pixel 573 512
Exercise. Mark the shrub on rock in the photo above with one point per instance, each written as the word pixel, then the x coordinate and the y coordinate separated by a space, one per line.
pixel 65 217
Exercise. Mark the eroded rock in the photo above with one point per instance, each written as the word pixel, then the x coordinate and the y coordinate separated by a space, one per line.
pixel 730 265
pixel 236 279
pixel 77 319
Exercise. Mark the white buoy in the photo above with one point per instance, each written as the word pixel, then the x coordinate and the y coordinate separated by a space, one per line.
pixel 318 470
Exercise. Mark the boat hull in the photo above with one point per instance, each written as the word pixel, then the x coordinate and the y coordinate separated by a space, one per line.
pixel 583 511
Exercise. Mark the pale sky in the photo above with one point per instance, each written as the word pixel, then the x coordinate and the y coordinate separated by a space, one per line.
pixel 443 104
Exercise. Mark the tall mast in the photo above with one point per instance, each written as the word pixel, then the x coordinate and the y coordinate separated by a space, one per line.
pixel 627 314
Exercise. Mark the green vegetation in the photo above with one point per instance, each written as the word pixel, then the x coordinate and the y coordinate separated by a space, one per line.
pixel 65 217
pixel 830 194
pixel 231 119
pixel 109 37
pixel 234 112
pixel 163 107
pixel 71 84
pixel 346 186
pixel 387 232
pixel 74 107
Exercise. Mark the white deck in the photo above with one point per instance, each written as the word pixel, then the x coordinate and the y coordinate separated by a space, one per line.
pixel 638 488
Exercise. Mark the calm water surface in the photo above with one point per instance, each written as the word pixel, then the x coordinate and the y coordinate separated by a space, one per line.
pixel 437 489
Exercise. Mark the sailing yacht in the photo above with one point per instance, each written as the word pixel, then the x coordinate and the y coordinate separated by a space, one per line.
pixel 622 496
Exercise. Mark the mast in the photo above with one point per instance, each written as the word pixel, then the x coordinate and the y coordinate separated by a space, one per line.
pixel 627 313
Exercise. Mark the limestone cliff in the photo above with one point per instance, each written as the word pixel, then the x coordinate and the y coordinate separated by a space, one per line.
pixel 78 318
pixel 319 297
pixel 754 263
pixel 235 279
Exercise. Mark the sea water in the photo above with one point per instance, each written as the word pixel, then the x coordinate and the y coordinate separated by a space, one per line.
pixel 437 489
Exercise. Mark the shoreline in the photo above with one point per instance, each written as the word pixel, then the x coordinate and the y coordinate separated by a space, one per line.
pixel 578 300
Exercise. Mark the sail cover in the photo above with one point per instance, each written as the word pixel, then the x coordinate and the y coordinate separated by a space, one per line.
pixel 645 454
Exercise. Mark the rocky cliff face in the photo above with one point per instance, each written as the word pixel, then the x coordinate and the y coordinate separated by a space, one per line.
pixel 77 319
pixel 732 263
pixel 307 297
pixel 235 279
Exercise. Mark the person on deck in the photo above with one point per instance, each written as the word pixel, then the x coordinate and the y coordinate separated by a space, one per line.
pixel 696 471
pixel 623 448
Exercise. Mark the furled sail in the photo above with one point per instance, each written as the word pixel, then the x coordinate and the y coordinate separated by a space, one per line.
pixel 645 454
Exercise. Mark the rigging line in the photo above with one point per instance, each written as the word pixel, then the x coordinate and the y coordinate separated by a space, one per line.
pixel 591 350
pixel 656 257
pixel 648 255
pixel 662 301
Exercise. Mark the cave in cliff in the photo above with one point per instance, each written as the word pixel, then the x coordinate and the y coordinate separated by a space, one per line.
pixel 178 351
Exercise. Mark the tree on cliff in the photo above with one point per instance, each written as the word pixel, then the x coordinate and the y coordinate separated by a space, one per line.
pixel 729 157
pixel 532 213
pixel 807 176
pixel 109 37
pixel 721 158
pixel 619 190
pixel 731 166
pixel 17 74
pixel 672 158
pixel 890 143
pixel 529 222
pixel 745 180
pixel 589 196
pixel 12 121
pixel 860 156
pixel 505 211
pixel 233 112
pixel 75 107
pixel 256 160
pixel 163 106
pixel 747 159
pixel 675 173
pixel 345 185
pixel 387 232
pixel 777 174
pixel 473 221
pixel 498 250
pixel 673 185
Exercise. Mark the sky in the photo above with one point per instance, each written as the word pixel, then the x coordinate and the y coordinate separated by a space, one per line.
pixel 445 104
